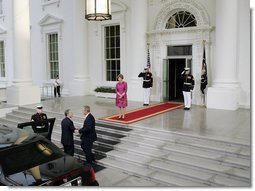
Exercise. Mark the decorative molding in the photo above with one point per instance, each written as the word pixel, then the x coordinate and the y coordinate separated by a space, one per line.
pixel 50 20
pixel 49 2
pixel 53 22
pixel 118 6
pixel 174 6
pixel 182 30
pixel 2 30
pixel 2 17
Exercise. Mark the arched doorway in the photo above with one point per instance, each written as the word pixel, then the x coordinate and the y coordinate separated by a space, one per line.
pixel 179 24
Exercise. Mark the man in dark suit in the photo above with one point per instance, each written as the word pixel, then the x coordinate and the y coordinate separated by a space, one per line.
pixel 68 129
pixel 88 134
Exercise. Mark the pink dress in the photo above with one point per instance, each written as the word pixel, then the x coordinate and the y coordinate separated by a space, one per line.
pixel 121 87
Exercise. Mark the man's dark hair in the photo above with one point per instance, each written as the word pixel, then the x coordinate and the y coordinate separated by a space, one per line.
pixel 67 111
pixel 86 108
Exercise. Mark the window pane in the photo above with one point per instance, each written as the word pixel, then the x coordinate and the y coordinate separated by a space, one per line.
pixel 2 59
pixel 118 53
pixel 53 55
pixel 112 52
pixel 107 29
pixel 179 50
pixel 117 30
pixel 112 42
pixel 107 42
pixel 181 19
pixel 118 42
pixel 112 31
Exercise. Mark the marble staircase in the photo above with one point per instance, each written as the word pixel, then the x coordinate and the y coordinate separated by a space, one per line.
pixel 167 158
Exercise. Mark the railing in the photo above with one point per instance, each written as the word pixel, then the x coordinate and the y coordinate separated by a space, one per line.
pixel 47 90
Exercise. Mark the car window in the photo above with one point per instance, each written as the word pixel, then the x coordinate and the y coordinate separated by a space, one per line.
pixel 28 155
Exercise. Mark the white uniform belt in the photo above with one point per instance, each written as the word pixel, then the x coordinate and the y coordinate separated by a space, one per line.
pixel 146 80
pixel 187 83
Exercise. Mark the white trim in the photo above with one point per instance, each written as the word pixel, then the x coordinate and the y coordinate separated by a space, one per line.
pixel 159 38
pixel 51 24
pixel 195 8
pixel 50 2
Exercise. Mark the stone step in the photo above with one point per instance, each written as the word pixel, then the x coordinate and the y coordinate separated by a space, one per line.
pixel 166 166
pixel 194 142
pixel 209 177
pixel 193 162
pixel 153 154
pixel 140 171
pixel 145 130
pixel 198 163
pixel 151 151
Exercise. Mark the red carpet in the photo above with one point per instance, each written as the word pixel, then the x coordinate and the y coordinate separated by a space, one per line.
pixel 143 113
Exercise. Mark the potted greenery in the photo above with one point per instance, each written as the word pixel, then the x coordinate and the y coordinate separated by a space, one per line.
pixel 106 92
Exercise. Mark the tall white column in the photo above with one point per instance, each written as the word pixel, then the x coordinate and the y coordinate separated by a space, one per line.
pixel 22 91
pixel 138 47
pixel 224 91
pixel 80 85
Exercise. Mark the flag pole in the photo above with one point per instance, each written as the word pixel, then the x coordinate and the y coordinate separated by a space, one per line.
pixel 148 56
pixel 203 94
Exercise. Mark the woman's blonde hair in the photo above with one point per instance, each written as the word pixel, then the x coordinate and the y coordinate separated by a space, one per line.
pixel 120 76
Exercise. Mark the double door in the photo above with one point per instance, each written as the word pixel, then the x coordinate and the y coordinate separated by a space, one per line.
pixel 172 79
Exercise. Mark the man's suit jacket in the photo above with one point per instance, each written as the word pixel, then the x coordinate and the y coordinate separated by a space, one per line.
pixel 88 131
pixel 67 131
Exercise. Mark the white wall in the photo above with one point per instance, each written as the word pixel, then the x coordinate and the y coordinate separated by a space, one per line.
pixel 6 26
pixel 122 12
pixel 63 11
pixel 244 62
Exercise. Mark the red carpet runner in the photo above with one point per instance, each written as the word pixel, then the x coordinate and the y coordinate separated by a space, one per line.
pixel 143 113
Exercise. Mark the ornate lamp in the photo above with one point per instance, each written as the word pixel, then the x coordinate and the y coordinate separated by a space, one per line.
pixel 98 10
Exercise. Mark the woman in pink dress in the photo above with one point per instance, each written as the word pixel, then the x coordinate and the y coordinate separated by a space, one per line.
pixel 121 96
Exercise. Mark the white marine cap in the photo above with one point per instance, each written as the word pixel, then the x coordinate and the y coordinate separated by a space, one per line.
pixel 39 107
pixel 146 67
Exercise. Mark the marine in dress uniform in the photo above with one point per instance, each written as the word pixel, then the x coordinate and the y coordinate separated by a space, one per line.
pixel 188 86
pixel 39 117
pixel 147 84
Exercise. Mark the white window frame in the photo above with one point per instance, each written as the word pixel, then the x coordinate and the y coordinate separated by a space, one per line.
pixel 48 56
pixel 104 52
pixel 51 24
pixel 4 61
pixel 3 37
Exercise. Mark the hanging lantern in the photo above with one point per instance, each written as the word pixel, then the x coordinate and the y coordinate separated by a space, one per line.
pixel 98 10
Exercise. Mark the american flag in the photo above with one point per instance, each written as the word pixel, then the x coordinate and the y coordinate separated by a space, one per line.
pixel 204 81
pixel 148 56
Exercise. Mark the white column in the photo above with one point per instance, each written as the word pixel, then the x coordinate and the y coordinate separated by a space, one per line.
pixel 80 85
pixel 224 91
pixel 138 51
pixel 22 91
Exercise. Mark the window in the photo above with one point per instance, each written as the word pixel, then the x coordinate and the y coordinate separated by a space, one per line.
pixel 179 50
pixel 112 52
pixel 181 19
pixel 2 60
pixel 1 7
pixel 53 58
